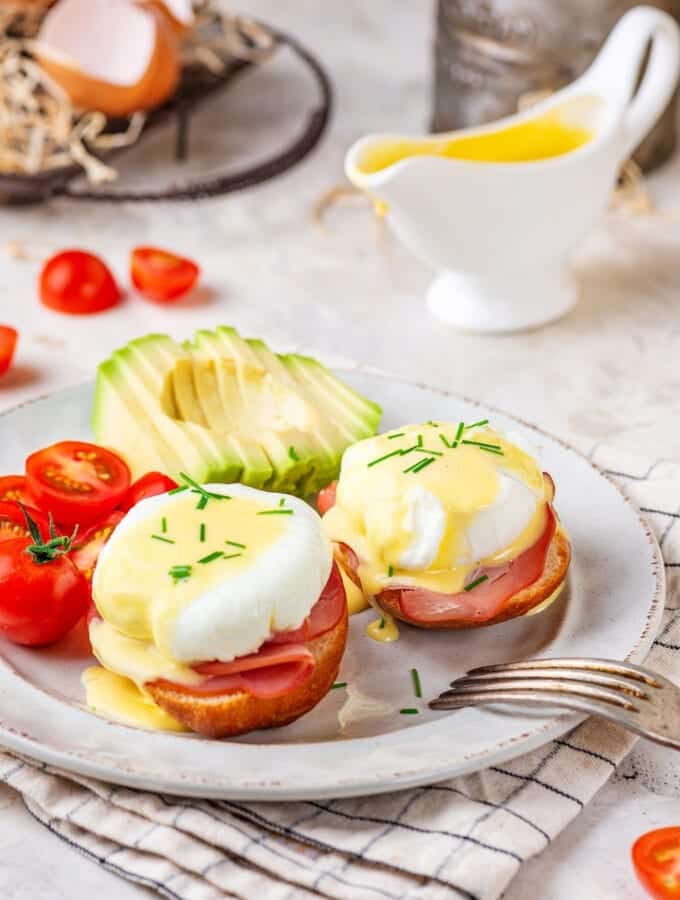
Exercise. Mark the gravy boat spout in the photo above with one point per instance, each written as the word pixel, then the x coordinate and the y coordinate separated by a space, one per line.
pixel 498 209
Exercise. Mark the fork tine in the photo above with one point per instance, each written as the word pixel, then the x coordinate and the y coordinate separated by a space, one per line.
pixel 507 677
pixel 536 698
pixel 607 666
pixel 547 689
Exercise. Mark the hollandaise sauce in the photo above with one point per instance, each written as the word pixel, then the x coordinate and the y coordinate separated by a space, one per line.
pixel 545 137
pixel 429 506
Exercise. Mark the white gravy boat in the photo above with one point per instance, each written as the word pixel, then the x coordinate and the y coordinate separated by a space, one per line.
pixel 500 233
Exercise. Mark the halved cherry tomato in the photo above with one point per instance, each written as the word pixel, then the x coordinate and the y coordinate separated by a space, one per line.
pixel 89 545
pixel 327 497
pixel 78 283
pixel 14 487
pixel 656 857
pixel 160 275
pixel 150 485
pixel 8 343
pixel 13 522
pixel 40 601
pixel 79 483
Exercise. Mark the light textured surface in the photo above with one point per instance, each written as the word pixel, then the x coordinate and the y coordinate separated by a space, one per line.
pixel 608 371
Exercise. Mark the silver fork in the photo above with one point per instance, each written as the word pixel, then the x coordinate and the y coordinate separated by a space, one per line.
pixel 636 698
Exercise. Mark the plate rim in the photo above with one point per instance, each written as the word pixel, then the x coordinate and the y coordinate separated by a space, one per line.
pixel 555 726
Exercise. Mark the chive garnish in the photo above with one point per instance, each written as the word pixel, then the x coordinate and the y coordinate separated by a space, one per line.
pixel 390 571
pixel 282 501
pixel 179 573
pixel 493 450
pixel 201 533
pixel 477 424
pixel 391 437
pixel 164 525
pixel 433 452
pixel 423 464
pixel 413 467
pixel 203 502
pixel 236 544
pixel 408 712
pixel 339 684
pixel 473 584
pixel 433 424
pixel 275 512
pixel 459 433
pixel 444 441
pixel 419 441
pixel 382 623
pixel 231 555
pixel 292 452
pixel 199 489
pixel 484 444
pixel 211 557
pixel 380 459
pixel 415 677
pixel 158 537
pixel 178 490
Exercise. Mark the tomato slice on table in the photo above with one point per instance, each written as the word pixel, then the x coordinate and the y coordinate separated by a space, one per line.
pixel 150 485
pixel 13 522
pixel 656 857
pixel 14 487
pixel 8 342
pixel 89 545
pixel 79 483
pixel 78 283
pixel 160 275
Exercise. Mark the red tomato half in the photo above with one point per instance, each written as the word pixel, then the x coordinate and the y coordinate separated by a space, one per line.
pixel 13 522
pixel 14 487
pixel 160 275
pixel 656 857
pixel 77 283
pixel 88 546
pixel 79 483
pixel 326 498
pixel 39 602
pixel 150 485
pixel 8 342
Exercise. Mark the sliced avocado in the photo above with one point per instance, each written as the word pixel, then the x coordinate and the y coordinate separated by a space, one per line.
pixel 222 408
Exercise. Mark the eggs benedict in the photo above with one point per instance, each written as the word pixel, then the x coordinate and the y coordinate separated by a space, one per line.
pixel 219 609
pixel 445 525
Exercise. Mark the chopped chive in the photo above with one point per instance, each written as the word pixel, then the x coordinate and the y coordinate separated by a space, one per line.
pixel 408 712
pixel 420 441
pixel 178 490
pixel 415 677
pixel 203 502
pixel 391 437
pixel 444 441
pixel 190 482
pixel 275 512
pixel 201 533
pixel 473 584
pixel 459 433
pixel 493 450
pixel 433 452
pixel 158 537
pixel 164 525
pixel 339 684
pixel 211 557
pixel 390 571
pixel 382 623
pixel 483 444
pixel 477 424
pixel 179 572
pixel 282 501
pixel 433 424
pixel 408 450
pixel 380 459
pixel 292 452
pixel 236 544
pixel 413 467
pixel 231 555
pixel 423 464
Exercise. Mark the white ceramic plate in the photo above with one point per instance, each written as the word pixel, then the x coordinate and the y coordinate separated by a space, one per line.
pixel 611 608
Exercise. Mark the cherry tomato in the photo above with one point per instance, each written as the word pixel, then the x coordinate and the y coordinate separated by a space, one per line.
pixel 8 343
pixel 656 857
pixel 39 601
pixel 78 483
pixel 160 275
pixel 77 283
pixel 88 546
pixel 326 498
pixel 14 487
pixel 13 522
pixel 150 485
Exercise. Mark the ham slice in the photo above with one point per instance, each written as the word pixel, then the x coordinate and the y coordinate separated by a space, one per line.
pixel 487 599
pixel 324 616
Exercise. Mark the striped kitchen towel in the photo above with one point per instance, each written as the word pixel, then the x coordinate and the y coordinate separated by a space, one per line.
pixel 465 838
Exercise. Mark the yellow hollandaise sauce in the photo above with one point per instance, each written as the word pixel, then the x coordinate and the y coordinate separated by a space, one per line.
pixel 536 139
pixel 413 504
pixel 150 572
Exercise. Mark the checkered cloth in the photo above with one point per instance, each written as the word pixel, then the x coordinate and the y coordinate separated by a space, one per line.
pixel 464 838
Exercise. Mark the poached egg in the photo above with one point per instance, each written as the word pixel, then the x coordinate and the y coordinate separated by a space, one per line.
pixel 195 576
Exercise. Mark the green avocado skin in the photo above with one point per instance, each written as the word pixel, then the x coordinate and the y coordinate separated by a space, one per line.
pixel 222 408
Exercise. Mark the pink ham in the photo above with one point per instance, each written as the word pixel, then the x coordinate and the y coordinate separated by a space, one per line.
pixel 324 616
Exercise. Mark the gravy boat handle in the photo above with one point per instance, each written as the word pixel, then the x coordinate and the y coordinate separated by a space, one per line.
pixel 615 73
